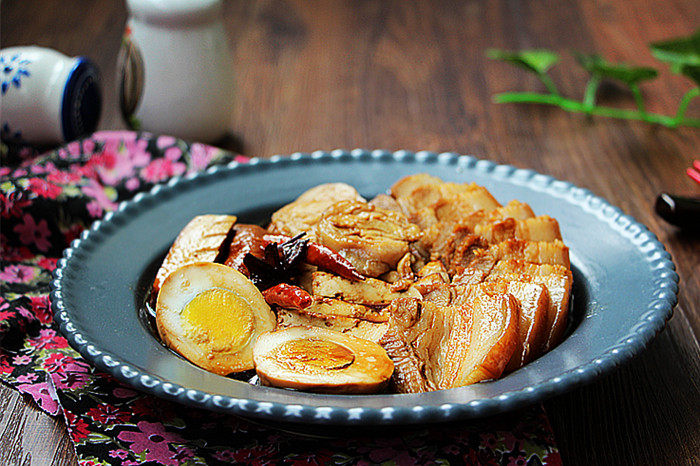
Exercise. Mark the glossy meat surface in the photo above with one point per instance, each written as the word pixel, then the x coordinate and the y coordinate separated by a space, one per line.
pixel 371 238
pixel 448 346
pixel 305 212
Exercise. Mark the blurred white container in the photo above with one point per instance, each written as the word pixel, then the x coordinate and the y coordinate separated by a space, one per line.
pixel 176 69
pixel 47 97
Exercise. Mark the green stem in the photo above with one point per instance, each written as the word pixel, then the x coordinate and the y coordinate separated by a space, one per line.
pixel 549 84
pixel 685 101
pixel 578 107
pixel 591 89
pixel 638 99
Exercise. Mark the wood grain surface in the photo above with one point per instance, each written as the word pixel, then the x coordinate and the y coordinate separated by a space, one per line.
pixel 413 75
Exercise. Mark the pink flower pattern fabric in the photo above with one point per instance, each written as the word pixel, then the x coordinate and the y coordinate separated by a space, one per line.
pixel 45 202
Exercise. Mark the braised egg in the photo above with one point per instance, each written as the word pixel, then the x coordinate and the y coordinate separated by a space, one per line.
pixel 212 315
pixel 321 360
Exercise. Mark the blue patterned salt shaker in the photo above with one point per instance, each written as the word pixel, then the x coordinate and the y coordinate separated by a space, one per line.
pixel 47 97
pixel 176 69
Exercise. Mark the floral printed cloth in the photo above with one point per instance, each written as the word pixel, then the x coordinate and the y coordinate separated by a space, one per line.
pixel 46 202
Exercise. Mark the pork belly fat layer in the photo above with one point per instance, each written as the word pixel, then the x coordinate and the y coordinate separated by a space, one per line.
pixel 542 228
pixel 532 325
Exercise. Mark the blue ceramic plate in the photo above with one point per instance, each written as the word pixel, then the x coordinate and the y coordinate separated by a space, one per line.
pixel 624 290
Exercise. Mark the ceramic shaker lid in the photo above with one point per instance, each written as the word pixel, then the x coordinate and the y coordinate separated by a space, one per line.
pixel 82 100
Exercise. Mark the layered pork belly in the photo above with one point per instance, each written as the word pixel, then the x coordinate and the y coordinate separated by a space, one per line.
pixel 436 347
pixel 479 241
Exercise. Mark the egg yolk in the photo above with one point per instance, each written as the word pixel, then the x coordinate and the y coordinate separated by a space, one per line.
pixel 313 355
pixel 221 318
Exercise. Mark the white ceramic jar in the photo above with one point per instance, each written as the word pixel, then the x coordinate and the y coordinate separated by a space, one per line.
pixel 47 97
pixel 176 72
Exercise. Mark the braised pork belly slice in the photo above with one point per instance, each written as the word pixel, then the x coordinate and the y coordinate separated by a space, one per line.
pixel 532 326
pixel 433 284
pixel 482 260
pixel 370 291
pixel 557 279
pixel 323 307
pixel 200 241
pixel 542 228
pixel 533 301
pixel 441 347
pixel 373 331
pixel 305 212
pixel 371 238
pixel 459 233
pixel 408 374
pixel 405 187
pixel 424 199
pixel 538 252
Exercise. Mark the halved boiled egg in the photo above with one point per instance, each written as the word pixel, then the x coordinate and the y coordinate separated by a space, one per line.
pixel 321 360
pixel 212 315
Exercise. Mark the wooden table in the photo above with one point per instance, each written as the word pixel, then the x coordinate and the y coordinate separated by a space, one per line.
pixel 413 75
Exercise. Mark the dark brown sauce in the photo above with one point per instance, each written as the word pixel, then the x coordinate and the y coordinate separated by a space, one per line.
pixel 146 300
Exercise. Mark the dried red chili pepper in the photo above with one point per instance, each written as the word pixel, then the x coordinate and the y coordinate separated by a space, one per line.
pixel 321 256
pixel 328 259
pixel 288 296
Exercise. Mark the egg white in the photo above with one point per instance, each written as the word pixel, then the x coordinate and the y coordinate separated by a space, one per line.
pixel 186 283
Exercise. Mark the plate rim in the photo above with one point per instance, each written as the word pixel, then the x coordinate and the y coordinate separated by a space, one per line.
pixel 653 319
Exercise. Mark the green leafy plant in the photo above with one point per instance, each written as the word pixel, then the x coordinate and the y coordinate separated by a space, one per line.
pixel 682 54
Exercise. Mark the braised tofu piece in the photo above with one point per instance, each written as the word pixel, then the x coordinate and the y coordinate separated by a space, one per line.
pixel 200 241
pixel 371 238
pixel 305 212
pixel 334 307
pixel 373 331
pixel 370 292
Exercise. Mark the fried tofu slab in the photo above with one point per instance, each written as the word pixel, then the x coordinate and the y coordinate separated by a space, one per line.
pixel 200 241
